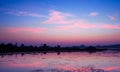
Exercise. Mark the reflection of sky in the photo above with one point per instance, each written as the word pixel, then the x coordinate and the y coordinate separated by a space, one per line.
pixel 60 22
pixel 66 61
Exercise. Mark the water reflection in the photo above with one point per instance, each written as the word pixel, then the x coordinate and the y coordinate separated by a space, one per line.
pixel 61 62
pixel 82 69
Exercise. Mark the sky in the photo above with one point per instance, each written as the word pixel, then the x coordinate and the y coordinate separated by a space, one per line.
pixel 60 22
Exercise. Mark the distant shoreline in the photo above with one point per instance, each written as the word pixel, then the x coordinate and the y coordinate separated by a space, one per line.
pixel 10 48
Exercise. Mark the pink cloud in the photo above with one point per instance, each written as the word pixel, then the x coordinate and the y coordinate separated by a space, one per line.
pixel 56 17
pixel 112 18
pixel 108 26
pixel 93 14
pixel 66 27
pixel 77 24
pixel 84 25
pixel 25 29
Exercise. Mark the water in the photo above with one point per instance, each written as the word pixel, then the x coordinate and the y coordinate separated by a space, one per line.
pixel 65 62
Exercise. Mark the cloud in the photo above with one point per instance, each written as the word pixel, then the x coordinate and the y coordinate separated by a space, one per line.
pixel 21 13
pixel 24 29
pixel 25 13
pixel 65 27
pixel 57 17
pixel 75 25
pixel 112 18
pixel 93 14
pixel 67 21
pixel 108 26
pixel 87 26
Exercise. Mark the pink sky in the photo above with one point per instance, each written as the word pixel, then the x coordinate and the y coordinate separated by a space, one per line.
pixel 66 29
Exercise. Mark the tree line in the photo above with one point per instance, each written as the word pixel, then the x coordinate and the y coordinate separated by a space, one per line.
pixel 9 47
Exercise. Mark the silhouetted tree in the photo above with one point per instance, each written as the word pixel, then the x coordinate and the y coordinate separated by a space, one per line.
pixel 44 48
pixel 58 49
pixel 22 46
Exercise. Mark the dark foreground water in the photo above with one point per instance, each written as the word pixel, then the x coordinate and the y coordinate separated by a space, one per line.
pixel 65 62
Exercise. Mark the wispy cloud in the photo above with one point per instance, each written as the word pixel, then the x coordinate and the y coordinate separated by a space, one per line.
pixel 24 29
pixel 109 26
pixel 93 14
pixel 25 13
pixel 22 13
pixel 112 18
pixel 87 26
pixel 67 21
pixel 76 25
pixel 57 17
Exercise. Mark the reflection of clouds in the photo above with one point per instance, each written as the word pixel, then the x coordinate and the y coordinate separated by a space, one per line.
pixel 112 68
pixel 27 65
pixel 65 61
pixel 70 69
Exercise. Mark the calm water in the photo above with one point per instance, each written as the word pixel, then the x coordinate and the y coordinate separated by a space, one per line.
pixel 65 62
